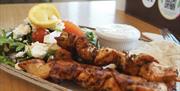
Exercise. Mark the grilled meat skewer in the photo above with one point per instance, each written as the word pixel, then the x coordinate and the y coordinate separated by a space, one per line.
pixel 91 77
pixel 138 65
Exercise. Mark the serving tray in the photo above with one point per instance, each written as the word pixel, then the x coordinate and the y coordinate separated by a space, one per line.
pixel 49 86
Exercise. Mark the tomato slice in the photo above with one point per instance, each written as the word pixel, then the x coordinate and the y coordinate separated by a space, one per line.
pixel 72 28
pixel 39 34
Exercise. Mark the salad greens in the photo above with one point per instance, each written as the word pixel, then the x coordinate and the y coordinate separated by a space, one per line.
pixel 7 45
pixel 6 60
pixel 91 37
pixel 10 42
pixel 11 47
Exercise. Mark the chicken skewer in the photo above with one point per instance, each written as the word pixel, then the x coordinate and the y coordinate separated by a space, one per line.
pixel 99 79
pixel 91 77
pixel 138 65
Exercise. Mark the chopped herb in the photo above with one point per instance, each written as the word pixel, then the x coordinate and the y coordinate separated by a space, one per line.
pixel 5 60
pixel 19 46
pixel 91 36
pixel 11 42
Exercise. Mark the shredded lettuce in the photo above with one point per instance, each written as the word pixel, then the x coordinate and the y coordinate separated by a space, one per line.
pixel 91 37
pixel 12 43
pixel 6 60
pixel 8 45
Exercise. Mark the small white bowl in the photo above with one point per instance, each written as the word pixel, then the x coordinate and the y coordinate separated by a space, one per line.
pixel 118 36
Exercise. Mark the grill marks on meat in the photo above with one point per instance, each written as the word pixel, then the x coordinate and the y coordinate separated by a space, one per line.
pixel 154 76
pixel 98 79
pixel 85 50
pixel 106 56
pixel 138 65
pixel 63 71
pixel 92 77
pixel 90 54
pixel 62 54
pixel 135 63
pixel 67 41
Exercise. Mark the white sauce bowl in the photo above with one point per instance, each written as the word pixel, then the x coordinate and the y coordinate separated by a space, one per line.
pixel 118 36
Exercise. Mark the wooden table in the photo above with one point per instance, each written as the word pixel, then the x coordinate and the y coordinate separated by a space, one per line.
pixel 91 13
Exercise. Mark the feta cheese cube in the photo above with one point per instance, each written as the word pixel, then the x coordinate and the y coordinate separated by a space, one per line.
pixel 39 50
pixel 21 30
pixel 50 38
pixel 20 54
pixel 60 26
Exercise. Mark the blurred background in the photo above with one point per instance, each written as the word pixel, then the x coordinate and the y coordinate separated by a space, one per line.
pixel 40 1
pixel 160 13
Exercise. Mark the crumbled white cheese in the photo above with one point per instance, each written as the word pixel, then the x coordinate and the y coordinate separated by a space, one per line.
pixel 50 38
pixel 26 21
pixel 60 25
pixel 39 50
pixel 20 54
pixel 21 30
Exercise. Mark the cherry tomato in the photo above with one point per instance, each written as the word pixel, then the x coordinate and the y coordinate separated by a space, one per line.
pixel 72 28
pixel 39 34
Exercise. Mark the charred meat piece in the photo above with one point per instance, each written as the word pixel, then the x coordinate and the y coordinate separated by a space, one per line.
pixel 85 50
pixel 147 67
pixel 62 54
pixel 106 56
pixel 36 67
pixel 67 41
pixel 64 71
pixel 158 72
pixel 137 65
pixel 134 63
pixel 91 77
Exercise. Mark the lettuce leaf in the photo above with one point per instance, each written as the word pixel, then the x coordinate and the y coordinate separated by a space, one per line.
pixel 6 60
pixel 8 40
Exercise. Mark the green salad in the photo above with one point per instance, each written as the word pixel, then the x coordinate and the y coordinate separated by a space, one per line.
pixel 21 44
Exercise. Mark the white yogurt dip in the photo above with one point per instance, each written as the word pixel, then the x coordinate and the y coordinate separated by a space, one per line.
pixel 118 36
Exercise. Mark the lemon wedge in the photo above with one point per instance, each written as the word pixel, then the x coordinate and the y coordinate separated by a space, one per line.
pixel 44 15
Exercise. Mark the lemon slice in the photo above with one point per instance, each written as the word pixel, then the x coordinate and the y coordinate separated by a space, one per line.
pixel 44 15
